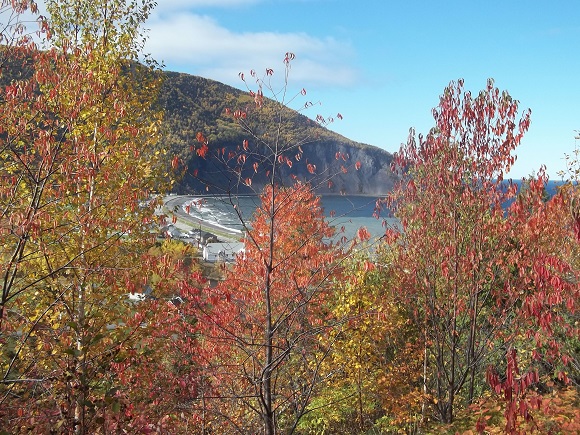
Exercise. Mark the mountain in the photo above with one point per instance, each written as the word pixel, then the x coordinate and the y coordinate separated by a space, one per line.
pixel 194 104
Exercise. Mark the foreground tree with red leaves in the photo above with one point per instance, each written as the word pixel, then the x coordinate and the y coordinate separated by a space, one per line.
pixel 544 289
pixel 265 317
pixel 478 278
pixel 263 321
pixel 450 204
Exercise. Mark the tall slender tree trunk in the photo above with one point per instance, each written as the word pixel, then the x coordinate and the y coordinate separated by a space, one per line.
pixel 471 356
pixel 268 416
pixel 269 423
pixel 424 405
pixel 82 375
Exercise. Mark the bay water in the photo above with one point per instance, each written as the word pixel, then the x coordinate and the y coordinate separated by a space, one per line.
pixel 345 213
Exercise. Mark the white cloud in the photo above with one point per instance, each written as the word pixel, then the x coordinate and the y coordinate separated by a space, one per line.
pixel 198 45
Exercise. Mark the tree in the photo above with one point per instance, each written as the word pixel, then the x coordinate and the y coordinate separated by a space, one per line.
pixel 484 277
pixel 78 162
pixel 266 315
pixel 543 289
pixel 263 320
pixel 373 367
pixel 449 260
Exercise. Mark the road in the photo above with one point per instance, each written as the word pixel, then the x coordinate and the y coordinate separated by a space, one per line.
pixel 173 206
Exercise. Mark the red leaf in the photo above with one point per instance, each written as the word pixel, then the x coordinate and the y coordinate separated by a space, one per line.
pixel 369 266
pixel 363 234
pixel 202 152
pixel 288 58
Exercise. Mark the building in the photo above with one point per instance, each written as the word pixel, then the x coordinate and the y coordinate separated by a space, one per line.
pixel 222 251
pixel 206 238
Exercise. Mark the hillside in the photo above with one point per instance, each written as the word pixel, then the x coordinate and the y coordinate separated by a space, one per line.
pixel 194 104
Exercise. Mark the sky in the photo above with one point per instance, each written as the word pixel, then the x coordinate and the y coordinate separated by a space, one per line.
pixel 383 64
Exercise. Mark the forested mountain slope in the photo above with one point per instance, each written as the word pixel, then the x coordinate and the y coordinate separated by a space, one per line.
pixel 194 104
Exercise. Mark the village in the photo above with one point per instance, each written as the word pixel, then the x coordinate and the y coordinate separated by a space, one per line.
pixel 218 245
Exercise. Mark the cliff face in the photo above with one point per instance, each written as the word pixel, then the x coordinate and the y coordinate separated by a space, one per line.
pixel 373 178
pixel 193 104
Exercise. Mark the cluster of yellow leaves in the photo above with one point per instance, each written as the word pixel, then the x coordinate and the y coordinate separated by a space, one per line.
pixel 77 163
pixel 374 361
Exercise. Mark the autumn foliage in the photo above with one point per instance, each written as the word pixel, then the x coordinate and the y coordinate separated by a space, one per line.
pixel 476 261
pixel 265 319
pixel 463 319
pixel 76 163
pixel 374 357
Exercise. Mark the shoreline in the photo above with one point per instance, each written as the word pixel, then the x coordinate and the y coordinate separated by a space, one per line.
pixel 173 206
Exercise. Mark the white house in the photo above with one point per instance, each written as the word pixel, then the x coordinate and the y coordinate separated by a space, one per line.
pixel 222 251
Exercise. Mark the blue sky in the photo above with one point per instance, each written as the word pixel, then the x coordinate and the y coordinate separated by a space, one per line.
pixel 383 64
